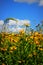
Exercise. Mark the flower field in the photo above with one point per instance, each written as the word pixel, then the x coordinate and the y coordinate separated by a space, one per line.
pixel 22 48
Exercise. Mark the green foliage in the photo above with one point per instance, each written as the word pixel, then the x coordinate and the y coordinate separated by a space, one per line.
pixel 25 54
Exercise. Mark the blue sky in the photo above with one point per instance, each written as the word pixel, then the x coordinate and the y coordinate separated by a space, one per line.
pixel 27 10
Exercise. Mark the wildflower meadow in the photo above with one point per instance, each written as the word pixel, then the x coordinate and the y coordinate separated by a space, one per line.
pixel 22 48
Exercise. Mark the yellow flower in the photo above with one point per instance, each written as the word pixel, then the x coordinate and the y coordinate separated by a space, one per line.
pixel 16 35
pixel 41 49
pixel 34 53
pixel 26 38
pixel 3 64
pixel 2 40
pixel 2 34
pixel 31 37
pixel 22 31
pixel 6 36
pixel 30 32
pixel 9 35
pixel 35 38
pixel 27 24
pixel 37 42
pixel 11 39
pixel 41 38
pixel 36 33
pixel 3 49
pixel 16 39
pixel 10 51
pixel 30 55
pixel 19 61
pixel 13 48
pixel 12 34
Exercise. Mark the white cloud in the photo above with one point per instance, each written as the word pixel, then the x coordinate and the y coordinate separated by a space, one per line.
pixel 19 23
pixel 40 2
pixel 20 28
pixel 1 22
pixel 11 22
pixel 28 1
pixel 26 22
pixel 22 22
pixel 12 29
